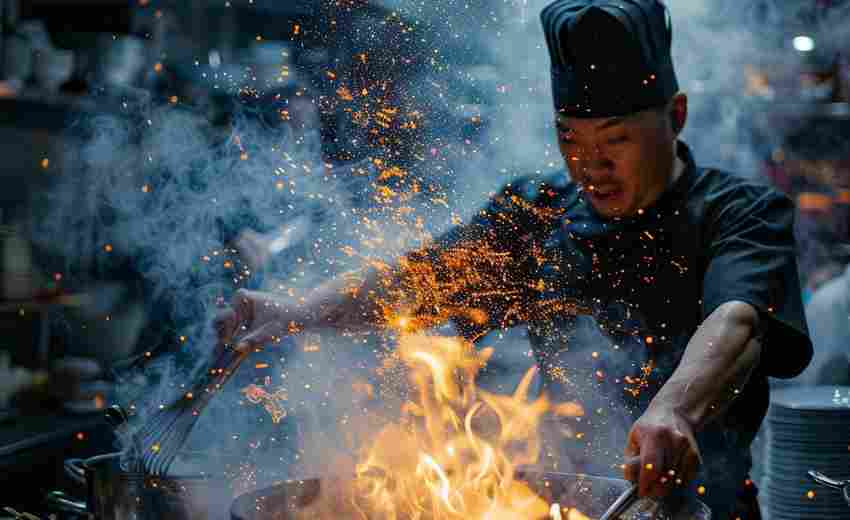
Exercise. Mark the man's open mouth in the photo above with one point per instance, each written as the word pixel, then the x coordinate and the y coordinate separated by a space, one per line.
pixel 605 193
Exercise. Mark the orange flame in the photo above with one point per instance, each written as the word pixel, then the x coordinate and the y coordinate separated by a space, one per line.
pixel 455 452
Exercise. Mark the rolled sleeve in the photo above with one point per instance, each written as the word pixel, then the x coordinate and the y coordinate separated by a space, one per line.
pixel 752 258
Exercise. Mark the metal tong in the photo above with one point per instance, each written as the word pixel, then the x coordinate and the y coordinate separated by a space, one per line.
pixel 629 505
pixel 625 501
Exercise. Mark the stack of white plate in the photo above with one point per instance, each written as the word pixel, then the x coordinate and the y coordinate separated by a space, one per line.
pixel 808 428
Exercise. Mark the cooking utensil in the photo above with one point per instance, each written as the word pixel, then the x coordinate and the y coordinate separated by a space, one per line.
pixel 626 499
pixel 164 434
pixel 842 485
pixel 622 504
pixel 630 505
pixel 159 440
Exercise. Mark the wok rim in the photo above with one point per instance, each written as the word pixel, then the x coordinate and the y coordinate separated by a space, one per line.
pixel 692 504
pixel 245 501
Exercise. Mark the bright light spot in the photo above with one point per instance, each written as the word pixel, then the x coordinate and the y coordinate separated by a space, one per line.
pixel 701 490
pixel 810 495
pixel 804 43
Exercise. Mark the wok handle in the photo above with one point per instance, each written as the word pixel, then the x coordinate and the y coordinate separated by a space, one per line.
pixel 75 470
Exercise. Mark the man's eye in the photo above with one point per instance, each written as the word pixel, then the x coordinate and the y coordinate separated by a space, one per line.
pixel 618 140
pixel 566 138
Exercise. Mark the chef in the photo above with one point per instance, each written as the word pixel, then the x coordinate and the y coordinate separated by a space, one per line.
pixel 689 273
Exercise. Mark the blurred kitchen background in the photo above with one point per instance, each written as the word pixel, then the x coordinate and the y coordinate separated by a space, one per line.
pixel 463 107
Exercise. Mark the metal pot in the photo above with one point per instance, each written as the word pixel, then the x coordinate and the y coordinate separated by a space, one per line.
pixel 113 493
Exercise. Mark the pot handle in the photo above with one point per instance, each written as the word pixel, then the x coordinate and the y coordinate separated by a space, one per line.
pixel 59 501
pixel 823 480
pixel 74 468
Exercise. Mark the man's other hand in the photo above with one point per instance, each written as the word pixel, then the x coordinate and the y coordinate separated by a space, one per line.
pixel 665 444
pixel 253 319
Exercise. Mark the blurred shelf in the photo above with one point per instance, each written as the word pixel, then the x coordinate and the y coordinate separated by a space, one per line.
pixel 53 112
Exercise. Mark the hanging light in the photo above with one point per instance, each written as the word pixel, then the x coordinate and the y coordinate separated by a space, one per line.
pixel 803 43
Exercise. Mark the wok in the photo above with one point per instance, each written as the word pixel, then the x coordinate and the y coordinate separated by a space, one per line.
pixel 317 499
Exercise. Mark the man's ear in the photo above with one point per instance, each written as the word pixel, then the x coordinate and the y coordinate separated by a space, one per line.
pixel 678 112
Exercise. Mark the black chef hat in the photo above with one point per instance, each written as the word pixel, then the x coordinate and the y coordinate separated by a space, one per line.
pixel 609 57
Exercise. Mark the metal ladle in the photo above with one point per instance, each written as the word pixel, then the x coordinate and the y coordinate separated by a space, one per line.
pixel 843 485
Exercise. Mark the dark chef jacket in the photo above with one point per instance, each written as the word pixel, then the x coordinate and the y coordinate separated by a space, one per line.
pixel 650 280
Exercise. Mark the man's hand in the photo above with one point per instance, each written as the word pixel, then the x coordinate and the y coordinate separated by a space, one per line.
pixel 252 320
pixel 669 456
pixel 717 362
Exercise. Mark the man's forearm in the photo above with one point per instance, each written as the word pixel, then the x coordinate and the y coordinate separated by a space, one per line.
pixel 716 364
pixel 347 302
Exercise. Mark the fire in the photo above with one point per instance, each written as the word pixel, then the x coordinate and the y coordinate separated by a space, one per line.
pixel 456 449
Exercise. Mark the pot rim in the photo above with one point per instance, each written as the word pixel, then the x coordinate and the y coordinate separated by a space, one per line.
pixel 91 463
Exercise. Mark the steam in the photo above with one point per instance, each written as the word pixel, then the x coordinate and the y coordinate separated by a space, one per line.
pixel 160 192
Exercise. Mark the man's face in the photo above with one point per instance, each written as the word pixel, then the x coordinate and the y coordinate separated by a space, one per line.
pixel 623 164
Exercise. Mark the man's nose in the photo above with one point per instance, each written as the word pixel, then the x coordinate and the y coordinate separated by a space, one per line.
pixel 597 159
pixel 595 163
